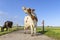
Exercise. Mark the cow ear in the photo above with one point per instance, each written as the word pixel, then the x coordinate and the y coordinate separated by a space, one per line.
pixel 33 9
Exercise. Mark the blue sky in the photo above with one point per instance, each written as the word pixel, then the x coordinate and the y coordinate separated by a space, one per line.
pixel 48 10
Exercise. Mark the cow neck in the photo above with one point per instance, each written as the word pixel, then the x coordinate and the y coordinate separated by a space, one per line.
pixel 33 17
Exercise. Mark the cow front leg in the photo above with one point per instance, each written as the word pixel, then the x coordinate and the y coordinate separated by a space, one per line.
pixel 6 28
pixel 24 30
pixel 32 31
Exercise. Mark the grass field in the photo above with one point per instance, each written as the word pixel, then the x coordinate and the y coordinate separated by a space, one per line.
pixel 53 32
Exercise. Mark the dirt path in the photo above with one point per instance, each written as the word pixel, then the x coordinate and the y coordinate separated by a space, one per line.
pixel 19 35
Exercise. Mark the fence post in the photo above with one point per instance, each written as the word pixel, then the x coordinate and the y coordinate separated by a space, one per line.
pixel 43 26
pixel 17 26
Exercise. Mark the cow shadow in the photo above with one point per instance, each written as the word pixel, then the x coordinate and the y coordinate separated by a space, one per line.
pixel 41 33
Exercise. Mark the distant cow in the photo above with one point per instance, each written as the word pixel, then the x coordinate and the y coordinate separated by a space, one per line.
pixel 7 24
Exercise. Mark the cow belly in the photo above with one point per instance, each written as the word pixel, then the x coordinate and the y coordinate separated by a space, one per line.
pixel 29 22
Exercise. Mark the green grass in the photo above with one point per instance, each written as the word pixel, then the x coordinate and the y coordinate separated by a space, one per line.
pixel 53 32
pixel 10 30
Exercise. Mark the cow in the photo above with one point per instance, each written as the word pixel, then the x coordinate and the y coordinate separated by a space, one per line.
pixel 7 24
pixel 30 21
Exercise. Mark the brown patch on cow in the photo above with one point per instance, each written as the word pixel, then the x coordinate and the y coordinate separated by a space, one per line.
pixel 26 21
pixel 33 17
pixel 29 11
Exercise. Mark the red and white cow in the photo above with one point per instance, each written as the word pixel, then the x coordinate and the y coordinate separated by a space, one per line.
pixel 30 21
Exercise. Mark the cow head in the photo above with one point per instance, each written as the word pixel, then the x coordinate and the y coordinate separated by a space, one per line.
pixel 28 11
